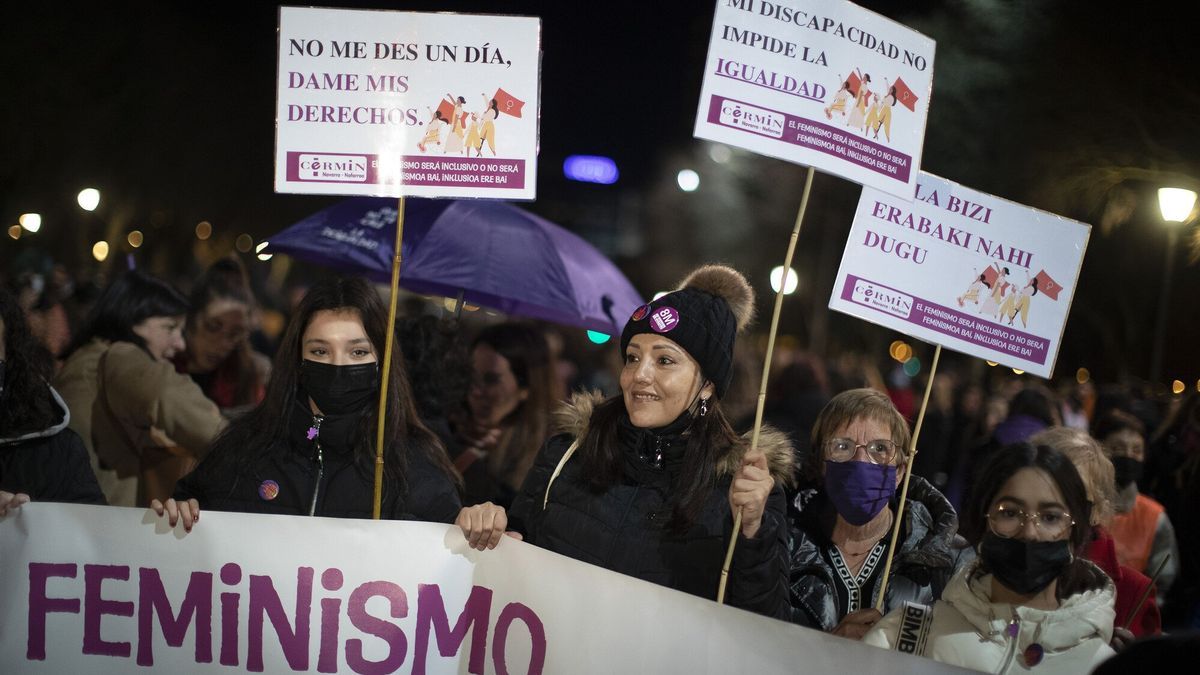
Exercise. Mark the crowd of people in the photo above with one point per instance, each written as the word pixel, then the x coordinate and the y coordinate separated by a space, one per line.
pixel 1037 527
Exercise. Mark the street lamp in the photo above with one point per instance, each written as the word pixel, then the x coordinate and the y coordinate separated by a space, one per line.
pixel 1176 205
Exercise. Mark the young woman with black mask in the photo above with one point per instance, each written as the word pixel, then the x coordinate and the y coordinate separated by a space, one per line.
pixel 1028 600
pixel 309 447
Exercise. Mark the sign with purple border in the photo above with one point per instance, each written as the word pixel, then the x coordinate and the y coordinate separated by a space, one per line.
pixel 383 103
pixel 963 269
pixel 823 83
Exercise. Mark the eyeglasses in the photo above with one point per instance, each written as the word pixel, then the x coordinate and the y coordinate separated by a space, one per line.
pixel 1008 521
pixel 879 451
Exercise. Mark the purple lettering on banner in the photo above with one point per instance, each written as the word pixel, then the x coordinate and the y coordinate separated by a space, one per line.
pixel 331 608
pixel 840 142
pixel 40 605
pixel 95 606
pixel 265 601
pixel 197 602
pixel 537 637
pixel 231 575
pixel 961 326
pixel 386 630
pixel 418 170
pixel 431 611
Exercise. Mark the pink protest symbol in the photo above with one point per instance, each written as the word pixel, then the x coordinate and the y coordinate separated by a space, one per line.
pixel 664 320
pixel 268 490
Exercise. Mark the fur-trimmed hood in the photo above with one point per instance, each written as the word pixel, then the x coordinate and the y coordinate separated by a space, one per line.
pixel 574 418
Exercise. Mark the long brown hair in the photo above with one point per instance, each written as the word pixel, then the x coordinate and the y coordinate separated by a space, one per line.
pixel 226 279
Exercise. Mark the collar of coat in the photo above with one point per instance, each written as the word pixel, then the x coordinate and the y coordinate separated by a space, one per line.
pixel 574 418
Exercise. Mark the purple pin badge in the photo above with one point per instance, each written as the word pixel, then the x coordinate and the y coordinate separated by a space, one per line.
pixel 1034 654
pixel 640 313
pixel 268 490
pixel 664 320
pixel 312 433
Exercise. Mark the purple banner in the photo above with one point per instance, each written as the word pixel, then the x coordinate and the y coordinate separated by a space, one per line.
pixel 475 172
pixel 831 140
pixel 944 320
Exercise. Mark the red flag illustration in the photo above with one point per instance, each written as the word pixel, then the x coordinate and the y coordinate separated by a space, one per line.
pixel 447 109
pixel 508 103
pixel 904 95
pixel 1047 285
pixel 853 81
pixel 990 274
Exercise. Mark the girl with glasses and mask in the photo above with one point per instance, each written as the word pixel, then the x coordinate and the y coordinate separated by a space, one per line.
pixel 1028 602
pixel 647 482
pixel 842 518
pixel 309 447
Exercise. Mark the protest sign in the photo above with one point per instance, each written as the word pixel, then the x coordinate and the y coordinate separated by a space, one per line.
pixel 401 103
pixel 972 272
pixel 111 590
pixel 825 84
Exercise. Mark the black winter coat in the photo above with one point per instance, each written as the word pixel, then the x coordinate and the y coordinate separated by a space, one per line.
pixel 284 479
pixel 49 465
pixel 624 528
pixel 920 570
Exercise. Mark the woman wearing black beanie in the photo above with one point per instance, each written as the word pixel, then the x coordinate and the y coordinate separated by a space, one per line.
pixel 645 483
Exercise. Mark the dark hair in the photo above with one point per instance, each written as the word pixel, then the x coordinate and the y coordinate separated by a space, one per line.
pixel 1036 401
pixel 1114 420
pixel 129 300
pixel 462 100
pixel 438 115
pixel 528 354
pixel 1080 575
pixel 439 369
pixel 253 434
pixel 494 106
pixel 27 404
pixel 710 439
pixel 226 279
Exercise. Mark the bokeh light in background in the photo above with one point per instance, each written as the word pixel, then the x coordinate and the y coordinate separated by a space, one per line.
pixel 591 169
pixel 259 250
pixel 992 363
pixel 793 280
pixel 135 238
pixel 598 337
pixel 719 153
pixel 900 351
pixel 100 251
pixel 912 366
pixel 244 243
pixel 1082 375
pixel 1178 386
pixel 31 221
pixel 688 180
pixel 14 231
pixel 1018 371
pixel 89 199
pixel 203 230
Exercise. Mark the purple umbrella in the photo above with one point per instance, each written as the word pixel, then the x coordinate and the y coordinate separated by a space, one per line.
pixel 494 254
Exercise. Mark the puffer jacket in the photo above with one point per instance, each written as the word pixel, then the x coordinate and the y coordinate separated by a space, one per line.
pixel 921 567
pixel 624 528
pixel 965 628
pixel 293 478
pixel 49 465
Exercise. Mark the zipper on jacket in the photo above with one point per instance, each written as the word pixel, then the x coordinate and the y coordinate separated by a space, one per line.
pixel 1013 632
pixel 320 459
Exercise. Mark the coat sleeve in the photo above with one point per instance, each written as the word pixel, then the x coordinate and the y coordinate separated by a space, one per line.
pixel 432 495
pixel 883 633
pixel 526 512
pixel 78 482
pixel 1164 544
pixel 145 393
pixel 758 575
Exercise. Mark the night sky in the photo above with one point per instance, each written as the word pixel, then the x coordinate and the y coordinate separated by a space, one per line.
pixel 168 109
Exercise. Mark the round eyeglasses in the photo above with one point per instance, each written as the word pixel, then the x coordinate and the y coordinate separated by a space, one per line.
pixel 1008 521
pixel 879 451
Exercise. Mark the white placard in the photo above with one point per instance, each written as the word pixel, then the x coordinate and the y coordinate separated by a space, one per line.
pixel 972 272
pixel 88 589
pixel 823 83
pixel 368 103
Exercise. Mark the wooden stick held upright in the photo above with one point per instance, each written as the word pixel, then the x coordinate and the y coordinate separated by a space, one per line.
pixel 1146 593
pixel 762 388
pixel 912 453
pixel 387 362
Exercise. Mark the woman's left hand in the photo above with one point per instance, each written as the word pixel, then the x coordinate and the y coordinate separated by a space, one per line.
pixel 483 525
pixel 749 491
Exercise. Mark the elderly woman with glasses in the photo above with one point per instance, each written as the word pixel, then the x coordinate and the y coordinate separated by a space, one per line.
pixel 1029 602
pixel 841 520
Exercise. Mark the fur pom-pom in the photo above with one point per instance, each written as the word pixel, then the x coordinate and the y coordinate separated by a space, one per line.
pixel 728 283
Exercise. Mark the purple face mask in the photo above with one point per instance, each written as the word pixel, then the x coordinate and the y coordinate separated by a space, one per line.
pixel 859 490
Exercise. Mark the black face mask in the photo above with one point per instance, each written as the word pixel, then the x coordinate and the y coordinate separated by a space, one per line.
pixel 1024 567
pixel 1127 470
pixel 338 390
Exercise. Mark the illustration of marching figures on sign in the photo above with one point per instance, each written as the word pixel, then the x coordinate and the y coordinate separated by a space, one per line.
pixel 467 131
pixel 995 297
pixel 866 110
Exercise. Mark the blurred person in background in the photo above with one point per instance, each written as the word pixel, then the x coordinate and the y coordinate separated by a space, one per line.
pixel 507 415
pixel 439 371
pixel 218 356
pixel 40 457
pixel 145 424
pixel 1173 477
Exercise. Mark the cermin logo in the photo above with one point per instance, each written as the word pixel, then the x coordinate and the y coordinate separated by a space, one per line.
pixel 343 168
pixel 748 117
pixel 883 299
